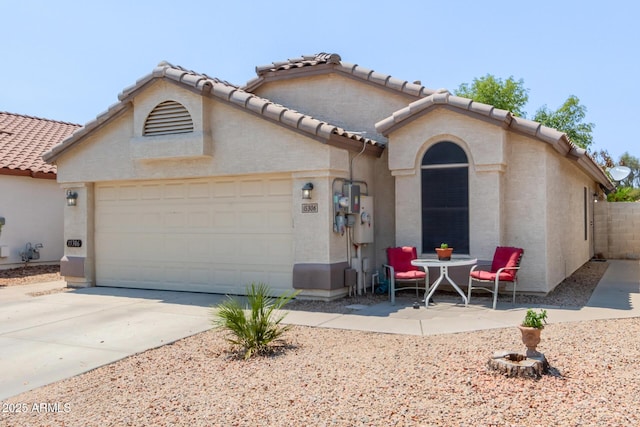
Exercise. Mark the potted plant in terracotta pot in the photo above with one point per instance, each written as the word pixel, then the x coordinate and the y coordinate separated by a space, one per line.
pixel 444 252
pixel 531 327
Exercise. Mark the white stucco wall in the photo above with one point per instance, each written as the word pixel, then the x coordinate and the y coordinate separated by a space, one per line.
pixel 33 211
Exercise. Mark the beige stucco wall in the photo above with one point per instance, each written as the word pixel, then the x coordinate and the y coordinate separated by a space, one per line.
pixel 478 139
pixel 241 144
pixel 521 193
pixel 355 106
pixel 235 143
pixel 33 211
pixel 79 225
pixel 340 100
pixel 525 209
pixel 617 230
pixel 567 247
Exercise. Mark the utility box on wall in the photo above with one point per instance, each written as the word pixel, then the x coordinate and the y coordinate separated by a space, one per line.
pixel 363 225
pixel 352 193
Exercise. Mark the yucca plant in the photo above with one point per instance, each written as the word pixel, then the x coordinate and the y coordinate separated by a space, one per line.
pixel 259 326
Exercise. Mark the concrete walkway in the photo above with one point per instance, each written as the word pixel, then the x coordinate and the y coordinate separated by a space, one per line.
pixel 47 338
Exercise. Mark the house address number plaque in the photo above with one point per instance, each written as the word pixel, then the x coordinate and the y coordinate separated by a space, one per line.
pixel 309 208
pixel 74 243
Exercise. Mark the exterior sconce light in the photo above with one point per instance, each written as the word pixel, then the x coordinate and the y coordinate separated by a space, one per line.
pixel 72 198
pixel 306 190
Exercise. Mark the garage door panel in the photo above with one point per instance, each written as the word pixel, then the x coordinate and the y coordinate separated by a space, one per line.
pixel 249 187
pixel 202 235
pixel 128 192
pixel 199 190
pixel 174 191
pixel 174 275
pixel 151 219
pixel 106 193
pixel 200 276
pixel 224 221
pixel 199 218
pixel 151 192
pixel 224 189
pixel 279 187
pixel 150 246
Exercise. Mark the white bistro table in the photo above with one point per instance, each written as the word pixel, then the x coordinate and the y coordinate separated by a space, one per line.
pixel 444 273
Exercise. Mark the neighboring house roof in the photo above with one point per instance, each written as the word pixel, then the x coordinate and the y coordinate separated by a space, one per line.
pixel 443 99
pixel 23 139
pixel 331 62
pixel 233 95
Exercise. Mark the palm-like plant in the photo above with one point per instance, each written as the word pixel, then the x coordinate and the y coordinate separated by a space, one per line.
pixel 257 328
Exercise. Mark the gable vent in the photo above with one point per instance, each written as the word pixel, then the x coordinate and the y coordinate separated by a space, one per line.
pixel 167 118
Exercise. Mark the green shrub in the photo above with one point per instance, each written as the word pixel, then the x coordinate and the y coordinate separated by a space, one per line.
pixel 257 328
pixel 534 320
pixel 624 194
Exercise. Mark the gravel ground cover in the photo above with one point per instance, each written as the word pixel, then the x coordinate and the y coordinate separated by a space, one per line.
pixel 29 274
pixel 323 377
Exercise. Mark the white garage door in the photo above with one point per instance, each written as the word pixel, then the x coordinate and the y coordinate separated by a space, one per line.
pixel 202 235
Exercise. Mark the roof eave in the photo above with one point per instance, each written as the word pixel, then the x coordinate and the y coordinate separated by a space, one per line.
pixel 28 172
pixel 558 140
pixel 112 112
pixel 224 92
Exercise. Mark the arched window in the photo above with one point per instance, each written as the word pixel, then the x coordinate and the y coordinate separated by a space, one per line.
pixel 445 198
pixel 168 117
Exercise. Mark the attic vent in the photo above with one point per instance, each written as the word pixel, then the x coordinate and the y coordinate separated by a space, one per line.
pixel 167 118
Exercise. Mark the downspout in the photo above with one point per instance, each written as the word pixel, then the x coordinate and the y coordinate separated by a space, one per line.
pixel 364 146
pixel 358 247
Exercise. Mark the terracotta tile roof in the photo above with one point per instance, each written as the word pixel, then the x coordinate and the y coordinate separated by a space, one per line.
pixel 442 98
pixel 328 62
pixel 23 139
pixel 232 94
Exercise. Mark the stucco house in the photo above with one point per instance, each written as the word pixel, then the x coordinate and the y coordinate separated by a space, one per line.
pixel 305 175
pixel 31 212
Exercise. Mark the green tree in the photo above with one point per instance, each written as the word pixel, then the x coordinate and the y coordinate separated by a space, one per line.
pixel 627 190
pixel 633 180
pixel 624 194
pixel 510 94
pixel 569 118
pixel 603 159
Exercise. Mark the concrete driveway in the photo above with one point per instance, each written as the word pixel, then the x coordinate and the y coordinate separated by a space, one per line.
pixel 47 338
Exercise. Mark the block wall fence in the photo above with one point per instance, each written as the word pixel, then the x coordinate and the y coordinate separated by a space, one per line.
pixel 617 230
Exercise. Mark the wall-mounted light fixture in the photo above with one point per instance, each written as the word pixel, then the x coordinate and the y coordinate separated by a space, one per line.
pixel 306 190
pixel 72 198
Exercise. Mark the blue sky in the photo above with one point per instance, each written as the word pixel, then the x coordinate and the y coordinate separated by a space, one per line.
pixel 69 60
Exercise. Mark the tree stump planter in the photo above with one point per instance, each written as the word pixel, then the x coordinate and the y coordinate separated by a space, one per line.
pixel 513 364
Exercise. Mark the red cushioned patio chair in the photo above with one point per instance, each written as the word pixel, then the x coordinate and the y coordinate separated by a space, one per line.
pixel 402 275
pixel 504 268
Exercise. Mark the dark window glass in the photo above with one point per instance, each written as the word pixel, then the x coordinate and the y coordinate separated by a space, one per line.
pixel 444 153
pixel 445 200
pixel 586 214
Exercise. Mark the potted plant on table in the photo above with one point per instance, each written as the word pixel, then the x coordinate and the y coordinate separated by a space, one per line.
pixel 531 327
pixel 444 252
